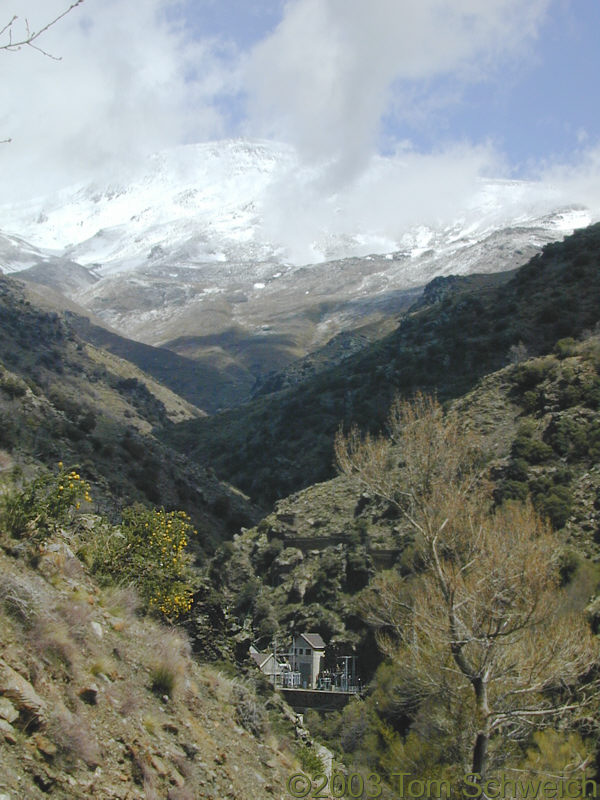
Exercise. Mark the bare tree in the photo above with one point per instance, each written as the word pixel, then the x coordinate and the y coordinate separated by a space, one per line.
pixel 481 622
pixel 11 40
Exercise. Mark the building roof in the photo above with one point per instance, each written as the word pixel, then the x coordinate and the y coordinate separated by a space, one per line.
pixel 314 640
pixel 260 658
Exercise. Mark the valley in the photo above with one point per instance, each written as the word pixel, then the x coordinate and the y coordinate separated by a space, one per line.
pixel 194 252
pixel 203 389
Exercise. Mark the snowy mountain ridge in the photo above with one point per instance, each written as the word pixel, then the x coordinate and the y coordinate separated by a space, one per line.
pixel 238 256
pixel 253 201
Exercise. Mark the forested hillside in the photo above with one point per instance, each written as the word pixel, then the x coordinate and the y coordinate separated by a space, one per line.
pixel 464 329
pixel 332 558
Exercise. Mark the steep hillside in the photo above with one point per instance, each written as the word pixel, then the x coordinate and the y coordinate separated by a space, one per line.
pixel 99 702
pixel 63 399
pixel 194 251
pixel 209 379
pixel 212 342
pixel 312 561
pixel 539 422
pixel 471 326
pixel 204 382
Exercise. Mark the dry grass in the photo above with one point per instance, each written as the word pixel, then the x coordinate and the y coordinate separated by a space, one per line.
pixel 103 665
pixel 77 617
pixel 52 643
pixel 47 636
pixel 121 601
pixel 73 738
pixel 181 793
pixel 169 662
pixel 151 724
pixel 125 698
pixel 249 712
pixel 143 773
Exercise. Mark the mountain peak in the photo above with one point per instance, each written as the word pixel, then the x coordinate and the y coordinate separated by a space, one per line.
pixel 247 200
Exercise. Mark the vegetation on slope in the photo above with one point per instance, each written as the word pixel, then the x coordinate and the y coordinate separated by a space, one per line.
pixel 278 444
pixel 313 563
pixel 306 560
pixel 98 699
pixel 310 564
pixel 480 629
pixel 202 381
pixel 62 399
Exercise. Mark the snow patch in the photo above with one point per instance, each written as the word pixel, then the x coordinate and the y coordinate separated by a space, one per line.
pixel 227 204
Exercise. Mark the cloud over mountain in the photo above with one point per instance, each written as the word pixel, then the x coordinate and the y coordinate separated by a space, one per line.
pixel 332 68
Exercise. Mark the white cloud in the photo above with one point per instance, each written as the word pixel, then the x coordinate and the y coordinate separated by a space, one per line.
pixel 134 77
pixel 325 77
pixel 396 197
pixel 129 82
pixel 372 213
pixel 577 181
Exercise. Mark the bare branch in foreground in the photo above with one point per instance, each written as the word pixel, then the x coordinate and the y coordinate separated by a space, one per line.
pixel 30 37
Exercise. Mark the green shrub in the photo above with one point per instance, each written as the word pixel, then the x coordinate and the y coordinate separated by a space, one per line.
pixel 527 428
pixel 565 347
pixel 533 401
pixel 563 475
pixel 556 505
pixel 529 374
pixel 549 313
pixel 511 490
pixel 517 470
pixel 46 503
pixel 311 763
pixel 569 394
pixel 590 395
pixel 8 432
pixel 531 450
pixel 162 679
pixel 568 562
pixel 12 386
pixel 575 437
pixel 148 550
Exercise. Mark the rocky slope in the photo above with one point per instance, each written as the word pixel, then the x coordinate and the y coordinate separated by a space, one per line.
pixel 98 702
pixel 305 565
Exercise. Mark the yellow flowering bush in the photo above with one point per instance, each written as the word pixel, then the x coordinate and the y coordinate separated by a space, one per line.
pixel 149 551
pixel 39 508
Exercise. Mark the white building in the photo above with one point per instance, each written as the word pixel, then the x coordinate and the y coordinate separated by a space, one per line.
pixel 307 651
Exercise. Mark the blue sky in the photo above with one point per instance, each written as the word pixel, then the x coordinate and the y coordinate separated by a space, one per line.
pixel 539 106
pixel 512 85
pixel 546 107
pixel 536 106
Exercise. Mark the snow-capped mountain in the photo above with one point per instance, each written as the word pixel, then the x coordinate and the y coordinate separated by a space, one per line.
pixel 249 201
pixel 236 251
pixel 199 203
